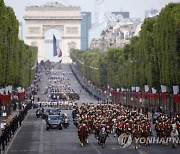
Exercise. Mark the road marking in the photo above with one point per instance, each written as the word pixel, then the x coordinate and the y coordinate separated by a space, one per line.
pixel 114 148
pixel 23 150
pixel 53 144
pixel 32 150
pixel 14 150
pixel 140 151
pixel 41 139
pixel 95 148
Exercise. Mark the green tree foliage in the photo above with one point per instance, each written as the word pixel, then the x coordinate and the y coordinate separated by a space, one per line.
pixel 88 63
pixel 153 58
pixel 16 58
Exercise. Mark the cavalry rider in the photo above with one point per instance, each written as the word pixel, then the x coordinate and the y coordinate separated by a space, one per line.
pixel 126 126
pixel 81 124
pixel 178 127
pixel 82 127
pixel 174 133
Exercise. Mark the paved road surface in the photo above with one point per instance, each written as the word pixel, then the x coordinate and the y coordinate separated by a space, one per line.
pixel 33 138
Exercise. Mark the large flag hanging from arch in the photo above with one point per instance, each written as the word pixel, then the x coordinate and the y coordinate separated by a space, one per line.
pixel 56 49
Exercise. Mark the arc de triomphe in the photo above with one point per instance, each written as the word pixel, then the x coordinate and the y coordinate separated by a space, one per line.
pixel 66 19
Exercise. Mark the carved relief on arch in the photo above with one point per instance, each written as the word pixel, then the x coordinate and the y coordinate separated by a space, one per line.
pixel 58 27
pixel 72 30
pixel 34 30
pixel 72 45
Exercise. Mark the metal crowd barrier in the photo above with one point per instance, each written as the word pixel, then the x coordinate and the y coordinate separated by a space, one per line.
pixel 92 91
pixel 10 129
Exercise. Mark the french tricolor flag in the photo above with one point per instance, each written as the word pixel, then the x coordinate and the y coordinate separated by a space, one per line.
pixel 176 94
pixel 56 49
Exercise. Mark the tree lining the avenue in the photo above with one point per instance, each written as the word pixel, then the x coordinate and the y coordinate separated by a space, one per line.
pixel 17 59
pixel 153 58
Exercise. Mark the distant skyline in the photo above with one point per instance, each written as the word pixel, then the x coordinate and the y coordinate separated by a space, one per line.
pixel 136 8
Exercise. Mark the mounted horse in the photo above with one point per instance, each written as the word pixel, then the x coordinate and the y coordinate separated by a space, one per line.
pixel 102 137
pixel 83 134
pixel 137 134
pixel 76 120
pixel 75 112
pixel 157 129
pixel 146 132
pixel 119 129
pixel 174 135
pixel 97 127
pixel 165 132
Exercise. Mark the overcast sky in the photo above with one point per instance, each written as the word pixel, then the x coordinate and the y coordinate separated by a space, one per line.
pixel 135 7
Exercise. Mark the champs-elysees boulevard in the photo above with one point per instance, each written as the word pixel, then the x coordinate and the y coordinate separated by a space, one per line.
pixel 90 77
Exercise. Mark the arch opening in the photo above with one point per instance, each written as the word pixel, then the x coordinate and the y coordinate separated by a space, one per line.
pixel 48 43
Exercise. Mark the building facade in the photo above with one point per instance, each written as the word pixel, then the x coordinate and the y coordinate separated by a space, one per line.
pixel 85 27
pixel 124 14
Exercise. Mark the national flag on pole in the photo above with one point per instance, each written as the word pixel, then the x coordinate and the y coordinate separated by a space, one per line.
pixel 164 92
pixel 146 87
pixel 147 94
pixel 175 94
pixel 137 89
pixel 21 92
pixel 137 92
pixel 133 89
pixel 154 94
pixel 56 49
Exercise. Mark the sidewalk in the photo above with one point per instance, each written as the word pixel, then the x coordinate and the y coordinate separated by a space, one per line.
pixel 9 118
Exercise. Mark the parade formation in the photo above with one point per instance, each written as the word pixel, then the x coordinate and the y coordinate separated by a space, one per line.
pixel 115 119
pixel 60 106
pixel 129 126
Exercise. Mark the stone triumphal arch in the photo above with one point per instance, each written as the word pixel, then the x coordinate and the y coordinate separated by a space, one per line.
pixel 66 19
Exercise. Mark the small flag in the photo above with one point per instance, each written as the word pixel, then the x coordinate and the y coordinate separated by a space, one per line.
pixel 137 89
pixel 146 87
pixel 175 90
pixel 154 94
pixel 176 96
pixel 133 88
pixel 163 88
pixel 164 92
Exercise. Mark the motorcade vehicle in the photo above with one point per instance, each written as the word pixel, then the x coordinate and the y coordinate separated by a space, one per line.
pixel 38 112
pixel 54 111
pixel 54 121
pixel 65 120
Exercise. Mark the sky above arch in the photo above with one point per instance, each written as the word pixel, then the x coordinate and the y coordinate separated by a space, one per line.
pixel 135 7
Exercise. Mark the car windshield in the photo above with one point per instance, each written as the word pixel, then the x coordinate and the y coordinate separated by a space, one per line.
pixel 54 110
pixel 54 118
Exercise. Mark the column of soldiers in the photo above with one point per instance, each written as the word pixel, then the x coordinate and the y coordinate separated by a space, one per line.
pixel 59 92
pixel 119 120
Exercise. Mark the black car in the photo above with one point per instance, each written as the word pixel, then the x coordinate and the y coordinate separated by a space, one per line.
pixel 54 121
pixel 54 111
